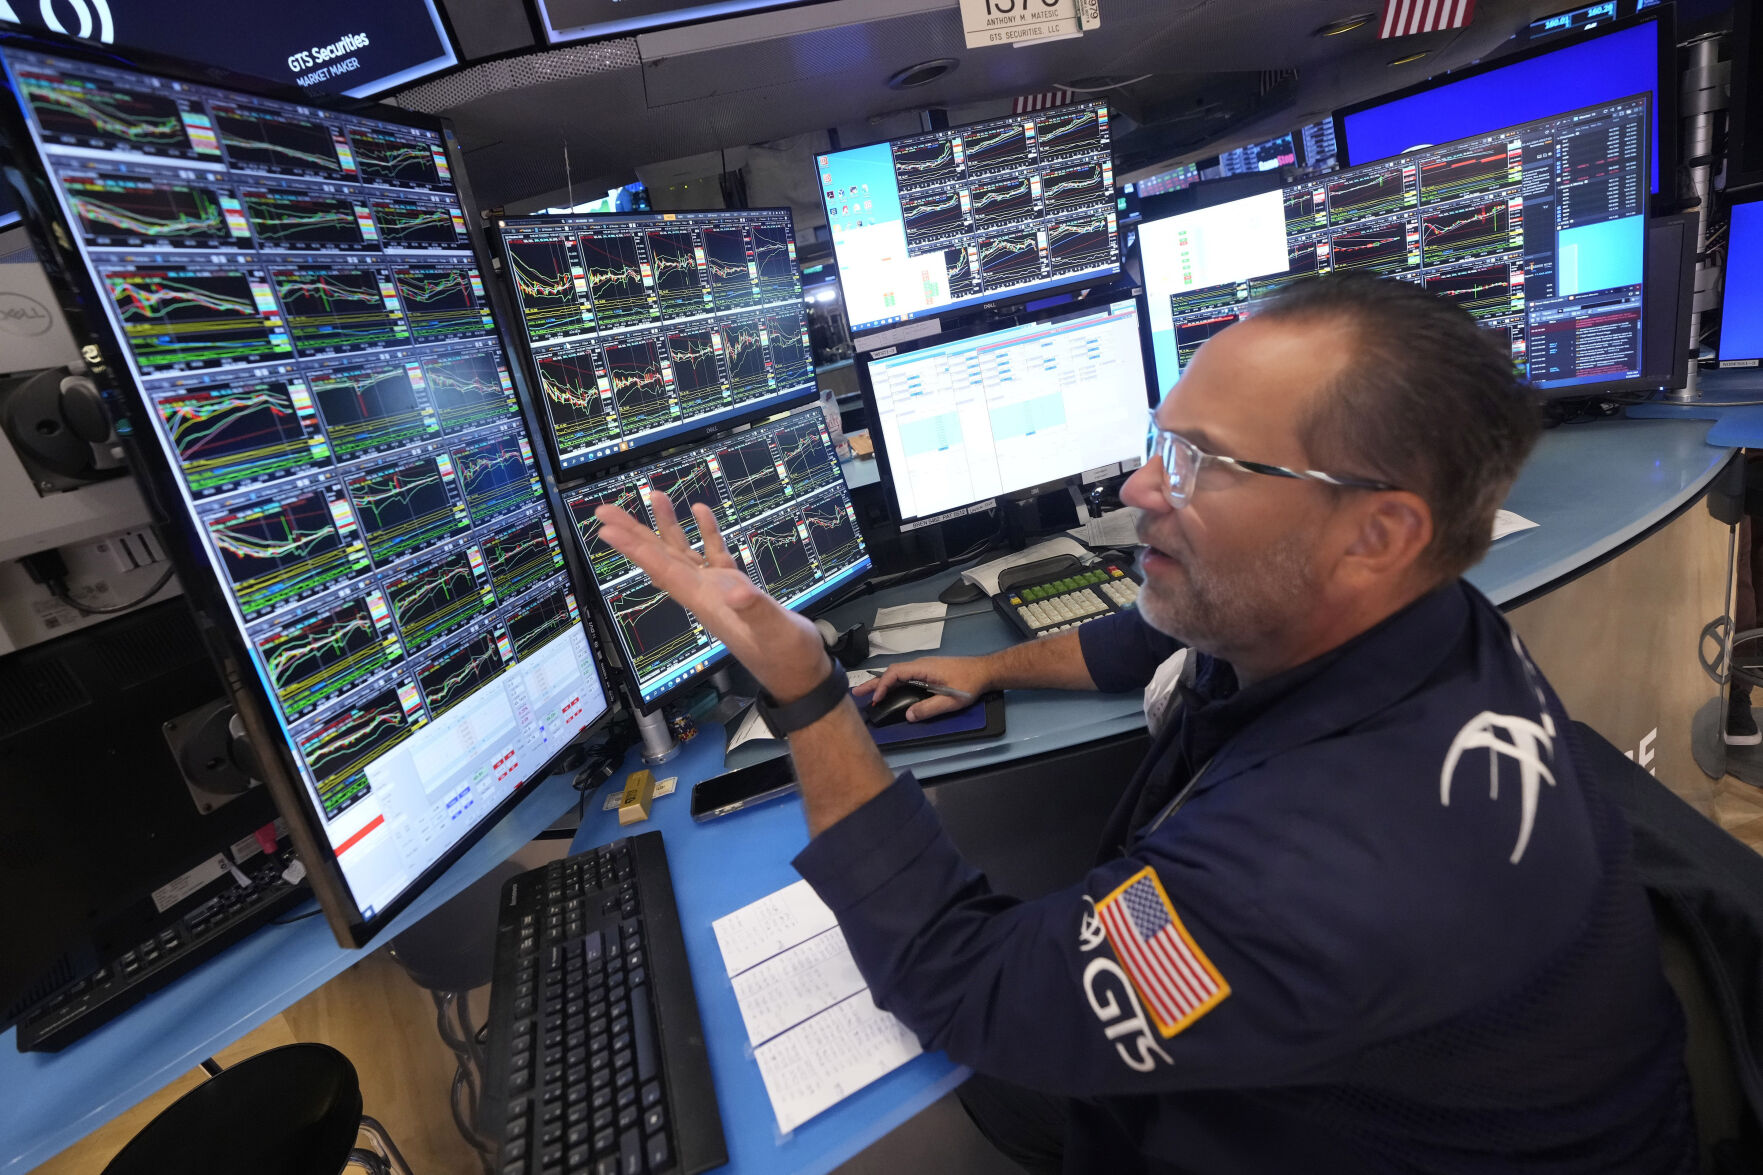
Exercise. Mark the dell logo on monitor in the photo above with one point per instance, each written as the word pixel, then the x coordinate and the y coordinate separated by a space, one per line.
pixel 82 9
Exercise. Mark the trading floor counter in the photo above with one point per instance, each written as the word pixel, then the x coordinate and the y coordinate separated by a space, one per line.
pixel 1602 495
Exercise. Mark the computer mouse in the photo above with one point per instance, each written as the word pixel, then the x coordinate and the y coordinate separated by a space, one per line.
pixel 893 707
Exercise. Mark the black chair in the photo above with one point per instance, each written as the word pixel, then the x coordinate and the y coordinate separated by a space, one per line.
pixel 294 1110
pixel 1706 890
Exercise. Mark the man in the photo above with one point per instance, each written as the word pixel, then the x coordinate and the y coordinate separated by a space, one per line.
pixel 1360 910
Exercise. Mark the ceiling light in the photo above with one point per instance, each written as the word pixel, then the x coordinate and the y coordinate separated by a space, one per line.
pixel 922 74
pixel 1346 24
pixel 1409 58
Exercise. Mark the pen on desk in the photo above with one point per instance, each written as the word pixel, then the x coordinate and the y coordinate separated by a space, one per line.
pixel 947 691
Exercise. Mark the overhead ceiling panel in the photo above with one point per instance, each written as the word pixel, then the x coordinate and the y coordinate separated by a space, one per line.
pixel 628 102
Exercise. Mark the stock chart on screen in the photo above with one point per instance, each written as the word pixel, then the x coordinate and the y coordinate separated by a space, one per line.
pixel 646 327
pixel 781 505
pixel 300 308
pixel 1538 231
pixel 972 214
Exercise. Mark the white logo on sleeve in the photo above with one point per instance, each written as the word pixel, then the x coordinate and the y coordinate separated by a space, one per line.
pixel 1505 736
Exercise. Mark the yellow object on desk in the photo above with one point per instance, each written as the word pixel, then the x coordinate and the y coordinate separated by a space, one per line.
pixel 639 790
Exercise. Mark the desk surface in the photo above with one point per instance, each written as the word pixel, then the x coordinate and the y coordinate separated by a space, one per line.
pixel 1591 487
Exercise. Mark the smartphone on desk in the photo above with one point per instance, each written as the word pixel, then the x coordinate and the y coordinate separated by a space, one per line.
pixel 743 788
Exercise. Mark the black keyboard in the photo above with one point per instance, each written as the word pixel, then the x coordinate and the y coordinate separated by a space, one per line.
pixel 597 1060
pixel 126 976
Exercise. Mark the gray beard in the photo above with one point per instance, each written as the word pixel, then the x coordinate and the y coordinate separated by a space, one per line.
pixel 1218 613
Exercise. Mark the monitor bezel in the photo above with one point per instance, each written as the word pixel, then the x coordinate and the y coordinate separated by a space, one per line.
pixel 1746 30
pixel 1644 381
pixel 1721 358
pixel 595 470
pixel 1663 104
pixel 627 674
pixel 1012 298
pixel 878 439
pixel 52 237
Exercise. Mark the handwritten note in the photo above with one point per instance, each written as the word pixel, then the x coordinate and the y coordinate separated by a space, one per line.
pixel 817 1036
pixel 771 925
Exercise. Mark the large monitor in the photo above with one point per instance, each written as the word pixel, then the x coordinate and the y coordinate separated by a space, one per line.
pixel 1741 306
pixel 963 421
pixel 289 318
pixel 319 46
pixel 646 328
pixel 1538 230
pixel 973 214
pixel 1637 55
pixel 785 514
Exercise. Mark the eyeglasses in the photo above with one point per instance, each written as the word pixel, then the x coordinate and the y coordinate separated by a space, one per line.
pixel 1183 460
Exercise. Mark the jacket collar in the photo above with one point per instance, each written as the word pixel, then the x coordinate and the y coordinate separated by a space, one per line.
pixel 1362 677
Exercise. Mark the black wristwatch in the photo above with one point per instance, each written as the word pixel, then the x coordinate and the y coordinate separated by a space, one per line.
pixel 816 704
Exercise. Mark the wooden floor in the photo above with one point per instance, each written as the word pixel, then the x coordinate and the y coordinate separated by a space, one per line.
pixel 385 1024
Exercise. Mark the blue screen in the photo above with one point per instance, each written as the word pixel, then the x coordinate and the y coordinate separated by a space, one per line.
pixel 1602 69
pixel 1741 313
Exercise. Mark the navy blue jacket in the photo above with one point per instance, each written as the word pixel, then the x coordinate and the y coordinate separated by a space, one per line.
pixel 1410 938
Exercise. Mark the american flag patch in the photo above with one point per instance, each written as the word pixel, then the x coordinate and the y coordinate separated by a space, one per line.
pixel 1404 18
pixel 1176 980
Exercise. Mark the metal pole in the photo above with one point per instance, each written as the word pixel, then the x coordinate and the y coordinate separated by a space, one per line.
pixel 658 743
pixel 1703 94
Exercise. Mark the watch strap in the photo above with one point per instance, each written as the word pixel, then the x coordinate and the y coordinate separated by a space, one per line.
pixel 811 707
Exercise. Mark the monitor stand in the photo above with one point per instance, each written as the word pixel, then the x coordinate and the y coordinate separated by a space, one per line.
pixel 658 741
pixel 732 702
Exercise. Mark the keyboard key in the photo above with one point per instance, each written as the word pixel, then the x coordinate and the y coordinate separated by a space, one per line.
pixel 630 1150
pixel 604 1141
pixel 660 1158
pixel 627 1117
pixel 651 1095
pixel 654 1120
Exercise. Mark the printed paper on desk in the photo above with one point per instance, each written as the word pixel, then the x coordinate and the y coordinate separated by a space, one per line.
pixel 912 638
pixel 774 923
pixel 1506 522
pixel 789 988
pixel 986 574
pixel 819 1063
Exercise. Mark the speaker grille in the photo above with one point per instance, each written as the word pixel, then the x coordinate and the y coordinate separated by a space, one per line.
pixel 33 691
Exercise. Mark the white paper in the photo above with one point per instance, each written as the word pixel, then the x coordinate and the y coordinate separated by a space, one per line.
pixel 774 923
pixel 986 574
pixel 1506 522
pixel 826 1059
pixel 752 727
pixel 789 988
pixel 1117 528
pixel 913 637
pixel 856 677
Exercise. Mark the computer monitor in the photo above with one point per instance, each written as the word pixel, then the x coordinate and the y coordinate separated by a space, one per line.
pixel 319 47
pixel 1269 155
pixel 786 516
pixel 1741 305
pixel 960 422
pixel 313 389
pixel 1318 143
pixel 645 329
pixel 955 218
pixel 1671 291
pixel 1631 56
pixel 1538 230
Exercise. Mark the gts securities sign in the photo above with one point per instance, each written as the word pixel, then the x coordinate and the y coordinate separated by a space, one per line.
pixel 319 46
